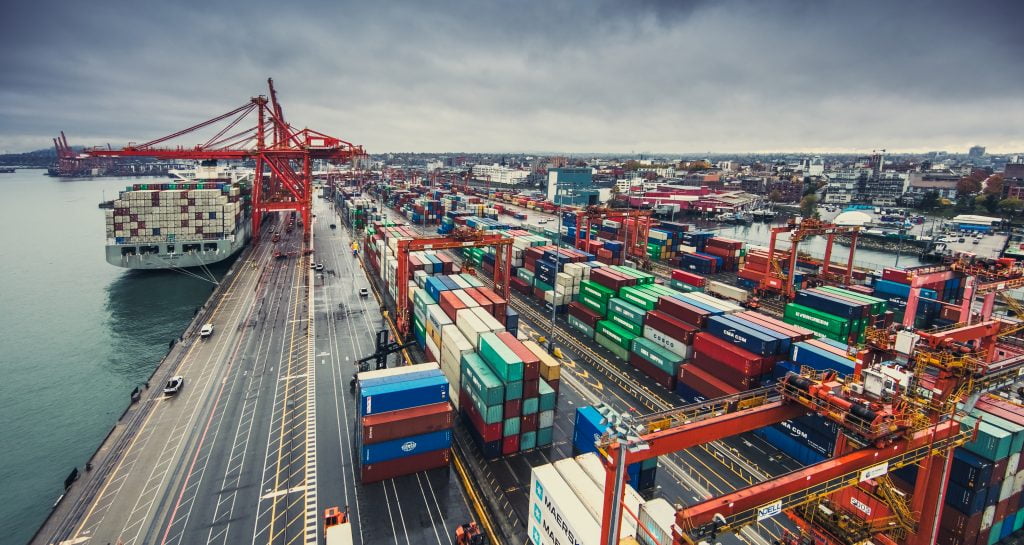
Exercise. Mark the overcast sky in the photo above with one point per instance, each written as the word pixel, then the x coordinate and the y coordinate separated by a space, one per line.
pixel 573 76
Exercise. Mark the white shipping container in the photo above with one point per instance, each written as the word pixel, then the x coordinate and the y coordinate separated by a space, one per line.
pixel 433 351
pixel 658 517
pixel 466 298
pixel 460 282
pixel 492 324
pixel 631 499
pixel 557 516
pixel 436 319
pixel 471 325
pixel 676 346
pixel 397 371
pixel 728 307
pixel 988 517
pixel 546 419
pixel 727 291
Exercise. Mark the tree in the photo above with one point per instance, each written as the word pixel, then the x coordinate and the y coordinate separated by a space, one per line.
pixel 968 186
pixel 775 196
pixel 929 201
pixel 994 185
pixel 1011 205
pixel 990 202
pixel 965 203
pixel 809 206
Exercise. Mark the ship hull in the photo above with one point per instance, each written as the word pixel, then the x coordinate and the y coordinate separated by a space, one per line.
pixel 142 256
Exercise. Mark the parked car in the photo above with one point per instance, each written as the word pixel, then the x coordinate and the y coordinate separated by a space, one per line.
pixel 174 385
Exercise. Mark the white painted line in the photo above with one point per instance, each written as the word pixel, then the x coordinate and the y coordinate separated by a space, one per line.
pixel 269 495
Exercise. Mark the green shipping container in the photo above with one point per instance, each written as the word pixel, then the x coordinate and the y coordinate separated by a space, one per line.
pixel 626 310
pixel 531 405
pixel 578 325
pixel 492 414
pixel 593 304
pixel 420 328
pixel 510 427
pixel 823 320
pixel 513 390
pixel 524 274
pixel 993 536
pixel 478 377
pixel 527 441
pixel 664 359
pixel 681 286
pixel 501 358
pixel 543 286
pixel 547 396
pixel 544 436
pixel 649 463
pixel 641 277
pixel 993 443
pixel 596 291
pixel 608 343
pixel 878 306
pixel 635 329
pixel 616 334
pixel 641 298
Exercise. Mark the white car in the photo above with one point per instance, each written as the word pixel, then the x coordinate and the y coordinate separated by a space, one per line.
pixel 206 331
pixel 319 266
pixel 363 292
pixel 174 385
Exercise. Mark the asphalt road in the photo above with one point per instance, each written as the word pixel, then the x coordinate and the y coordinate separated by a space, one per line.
pixel 685 478
pixel 223 461
pixel 423 508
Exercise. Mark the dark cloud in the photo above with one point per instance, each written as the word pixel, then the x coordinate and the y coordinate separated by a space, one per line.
pixel 571 76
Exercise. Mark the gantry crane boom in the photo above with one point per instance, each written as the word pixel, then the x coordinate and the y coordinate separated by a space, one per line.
pixel 286 160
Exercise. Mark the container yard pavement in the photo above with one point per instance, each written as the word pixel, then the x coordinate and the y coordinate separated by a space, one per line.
pixel 684 477
pixel 423 508
pixel 224 460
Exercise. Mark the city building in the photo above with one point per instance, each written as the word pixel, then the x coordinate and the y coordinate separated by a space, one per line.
pixel 976 152
pixel 844 186
pixel 942 182
pixel 572 186
pixel 884 189
pixel 499 174
pixel 813 166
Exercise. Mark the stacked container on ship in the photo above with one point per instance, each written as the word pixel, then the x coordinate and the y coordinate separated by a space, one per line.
pixel 404 421
pixel 200 218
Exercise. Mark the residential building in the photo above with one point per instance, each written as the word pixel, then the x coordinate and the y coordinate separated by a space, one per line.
pixel 942 182
pixel 844 186
pixel 884 189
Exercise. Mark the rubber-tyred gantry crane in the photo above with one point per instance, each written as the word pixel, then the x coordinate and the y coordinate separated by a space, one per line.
pixel 781 281
pixel 636 231
pixel 283 155
pixel 460 238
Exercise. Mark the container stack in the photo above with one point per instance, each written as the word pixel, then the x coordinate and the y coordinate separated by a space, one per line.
pixel 731 252
pixel 894 287
pixel 841 315
pixel 404 421
pixel 589 425
pixel 186 212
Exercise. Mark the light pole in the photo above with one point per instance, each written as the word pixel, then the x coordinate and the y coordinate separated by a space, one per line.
pixel 559 198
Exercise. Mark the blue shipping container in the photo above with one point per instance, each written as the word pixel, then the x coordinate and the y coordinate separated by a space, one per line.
pixel 402 395
pixel 970 470
pixel 434 287
pixel 406 446
pixel 750 340
pixel 965 500
pixel 393 379
pixel 784 341
pixel 788 446
pixel 821 360
pixel 833 306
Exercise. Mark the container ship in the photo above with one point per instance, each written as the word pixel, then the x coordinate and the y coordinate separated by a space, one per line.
pixel 197 219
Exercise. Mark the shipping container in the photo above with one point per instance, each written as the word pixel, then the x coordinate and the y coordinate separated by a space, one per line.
pixel 405 446
pixel 379 471
pixel 556 509
pixel 502 360
pixel 402 395
pixel 744 336
pixel 402 423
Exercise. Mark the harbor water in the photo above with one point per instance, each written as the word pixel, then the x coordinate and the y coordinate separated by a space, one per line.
pixel 76 336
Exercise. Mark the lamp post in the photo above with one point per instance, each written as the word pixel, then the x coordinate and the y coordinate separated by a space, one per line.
pixel 559 198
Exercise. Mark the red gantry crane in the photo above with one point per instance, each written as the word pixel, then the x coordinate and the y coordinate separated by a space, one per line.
pixel 781 281
pixel 460 238
pixel 283 155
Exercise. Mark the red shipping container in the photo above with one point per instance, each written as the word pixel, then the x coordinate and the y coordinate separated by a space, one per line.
pixel 489 432
pixel 726 353
pixel 682 311
pixel 661 377
pixel 531 363
pixel 1002 409
pixel 531 387
pixel 520 285
pixel 998 469
pixel 528 422
pixel 720 252
pixel 1013 502
pixel 670 326
pixel 611 279
pixel 513 407
pixel 584 314
pixel 860 503
pixel 896 275
pixel 728 243
pixel 450 303
pixel 554 384
pixel 499 303
pixel 481 300
pixel 389 469
pixel 689 278
pixel 538 294
pixel 704 383
pixel 406 422
pixel 827 347
pixel 726 374
pixel 510 444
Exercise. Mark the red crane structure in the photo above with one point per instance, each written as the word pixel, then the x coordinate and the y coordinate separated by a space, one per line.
pixel 283 155
pixel 636 231
pixel 781 281
pixel 460 238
